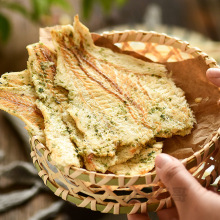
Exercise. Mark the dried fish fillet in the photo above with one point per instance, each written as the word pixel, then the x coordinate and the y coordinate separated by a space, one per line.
pixel 99 106
pixel 168 111
pixel 141 163
pixel 41 64
pixel 22 90
pixel 113 98
pixel 100 112
pixel 63 151
pixel 20 102
pixel 103 164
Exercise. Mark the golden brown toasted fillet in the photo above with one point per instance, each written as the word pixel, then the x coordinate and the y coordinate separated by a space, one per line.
pixel 52 101
pixel 20 102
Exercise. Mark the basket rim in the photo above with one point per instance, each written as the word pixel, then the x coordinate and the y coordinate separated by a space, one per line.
pixel 161 39
pixel 125 180
pixel 99 207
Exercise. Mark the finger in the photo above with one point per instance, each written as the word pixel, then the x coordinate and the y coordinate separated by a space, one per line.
pixel 213 74
pixel 168 214
pixel 138 217
pixel 184 189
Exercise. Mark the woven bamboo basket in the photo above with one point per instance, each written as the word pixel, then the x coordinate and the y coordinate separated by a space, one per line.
pixel 109 193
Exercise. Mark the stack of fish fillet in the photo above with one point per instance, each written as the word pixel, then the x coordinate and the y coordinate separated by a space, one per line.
pixel 93 107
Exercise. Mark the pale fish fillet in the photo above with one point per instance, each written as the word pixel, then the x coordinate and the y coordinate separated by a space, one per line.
pixel 109 103
pixel 100 112
pixel 45 36
pixel 141 163
pixel 170 109
pixel 52 100
pixel 63 151
pixel 122 154
pixel 20 102
pixel 141 83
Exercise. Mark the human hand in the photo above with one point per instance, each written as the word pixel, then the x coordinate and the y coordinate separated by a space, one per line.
pixel 194 202
pixel 213 74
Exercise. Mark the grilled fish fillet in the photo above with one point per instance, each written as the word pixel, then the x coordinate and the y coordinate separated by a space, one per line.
pixel 101 113
pixel 110 100
pixel 141 163
pixel 20 101
pixel 168 111
pixel 41 64
pixel 102 164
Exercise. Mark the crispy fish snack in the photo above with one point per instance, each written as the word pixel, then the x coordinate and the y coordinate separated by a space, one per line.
pixel 20 101
pixel 17 97
pixel 122 154
pixel 41 65
pixel 101 108
pixel 114 97
pixel 141 163
pixel 100 112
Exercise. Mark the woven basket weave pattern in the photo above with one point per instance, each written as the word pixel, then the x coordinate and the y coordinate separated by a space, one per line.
pixel 111 193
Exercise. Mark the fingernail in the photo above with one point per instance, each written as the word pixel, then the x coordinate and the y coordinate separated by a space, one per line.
pixel 162 159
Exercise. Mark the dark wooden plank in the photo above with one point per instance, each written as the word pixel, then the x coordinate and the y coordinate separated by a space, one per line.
pixel 12 146
pixel 10 142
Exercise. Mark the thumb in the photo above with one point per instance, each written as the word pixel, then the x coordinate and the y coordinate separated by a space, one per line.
pixel 179 182
pixel 213 74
